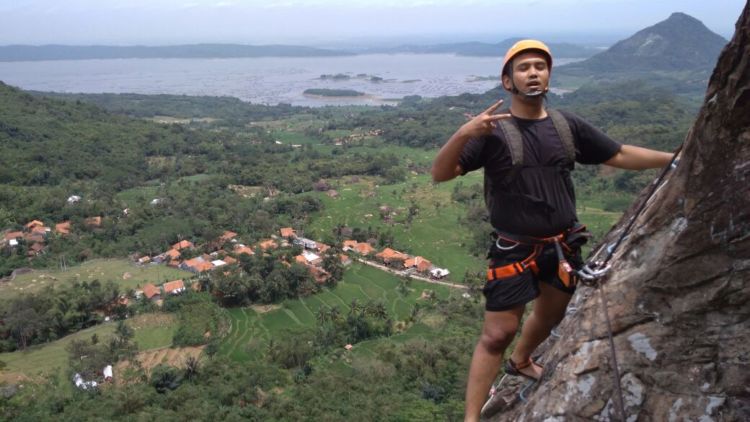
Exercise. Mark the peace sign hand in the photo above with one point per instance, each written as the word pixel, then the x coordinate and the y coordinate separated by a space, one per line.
pixel 484 122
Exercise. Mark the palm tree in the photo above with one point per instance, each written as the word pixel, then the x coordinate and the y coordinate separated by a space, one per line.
pixel 354 307
pixel 334 314
pixel 321 315
pixel 377 310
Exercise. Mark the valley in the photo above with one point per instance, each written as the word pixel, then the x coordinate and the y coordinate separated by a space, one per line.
pixel 210 247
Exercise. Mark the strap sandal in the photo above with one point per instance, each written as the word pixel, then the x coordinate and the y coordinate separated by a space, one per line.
pixel 512 368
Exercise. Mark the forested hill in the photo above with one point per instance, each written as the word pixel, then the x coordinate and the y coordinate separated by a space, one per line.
pixel 51 149
pixel 67 52
pixel 47 142
pixel 183 106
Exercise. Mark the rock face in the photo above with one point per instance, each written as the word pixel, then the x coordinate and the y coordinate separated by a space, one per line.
pixel 679 288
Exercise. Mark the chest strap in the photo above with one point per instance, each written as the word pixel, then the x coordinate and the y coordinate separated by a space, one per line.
pixel 514 141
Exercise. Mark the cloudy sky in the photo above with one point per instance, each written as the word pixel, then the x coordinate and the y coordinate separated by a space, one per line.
pixel 322 22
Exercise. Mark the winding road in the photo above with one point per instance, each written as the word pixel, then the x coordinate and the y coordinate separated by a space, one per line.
pixel 408 274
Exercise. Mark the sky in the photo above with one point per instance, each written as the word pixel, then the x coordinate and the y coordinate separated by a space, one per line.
pixel 343 22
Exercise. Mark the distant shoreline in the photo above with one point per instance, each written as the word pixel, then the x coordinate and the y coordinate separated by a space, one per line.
pixel 17 53
pixel 53 52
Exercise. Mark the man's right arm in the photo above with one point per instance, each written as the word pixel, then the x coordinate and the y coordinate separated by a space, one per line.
pixel 446 165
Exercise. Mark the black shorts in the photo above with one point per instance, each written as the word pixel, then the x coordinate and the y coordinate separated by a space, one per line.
pixel 507 293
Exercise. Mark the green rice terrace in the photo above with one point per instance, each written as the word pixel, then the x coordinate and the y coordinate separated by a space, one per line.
pixel 251 328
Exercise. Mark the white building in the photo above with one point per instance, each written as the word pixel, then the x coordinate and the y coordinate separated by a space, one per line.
pixel 439 272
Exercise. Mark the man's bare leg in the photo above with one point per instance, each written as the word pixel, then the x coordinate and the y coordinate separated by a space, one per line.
pixel 548 311
pixel 497 333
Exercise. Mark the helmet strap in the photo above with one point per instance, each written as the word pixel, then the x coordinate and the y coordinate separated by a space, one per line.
pixel 516 91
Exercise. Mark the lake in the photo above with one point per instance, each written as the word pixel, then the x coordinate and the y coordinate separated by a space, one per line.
pixel 269 80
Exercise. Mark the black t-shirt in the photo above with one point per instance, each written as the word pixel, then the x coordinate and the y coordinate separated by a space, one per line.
pixel 540 200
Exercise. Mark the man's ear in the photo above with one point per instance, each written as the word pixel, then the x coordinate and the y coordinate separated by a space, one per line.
pixel 507 82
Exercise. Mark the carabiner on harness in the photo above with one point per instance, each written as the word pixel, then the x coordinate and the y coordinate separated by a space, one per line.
pixel 505 248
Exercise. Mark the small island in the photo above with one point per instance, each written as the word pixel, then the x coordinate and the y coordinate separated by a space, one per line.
pixel 325 92
pixel 474 78
pixel 336 77
pixel 339 77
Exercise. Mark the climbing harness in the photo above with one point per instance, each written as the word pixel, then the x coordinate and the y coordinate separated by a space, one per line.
pixel 567 241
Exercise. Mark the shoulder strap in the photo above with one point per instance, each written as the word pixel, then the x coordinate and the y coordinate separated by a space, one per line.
pixel 515 146
pixel 563 131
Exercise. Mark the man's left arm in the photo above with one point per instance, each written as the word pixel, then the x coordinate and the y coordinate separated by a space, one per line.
pixel 631 157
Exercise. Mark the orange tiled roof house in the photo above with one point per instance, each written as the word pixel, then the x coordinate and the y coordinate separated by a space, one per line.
pixel 422 265
pixel 174 287
pixel 392 257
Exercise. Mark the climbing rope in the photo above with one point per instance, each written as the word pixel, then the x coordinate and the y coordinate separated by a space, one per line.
pixel 613 355
pixel 591 274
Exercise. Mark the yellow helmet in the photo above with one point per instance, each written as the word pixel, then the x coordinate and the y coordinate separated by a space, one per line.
pixel 526 45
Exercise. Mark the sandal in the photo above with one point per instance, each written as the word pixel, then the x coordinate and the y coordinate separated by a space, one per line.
pixel 512 368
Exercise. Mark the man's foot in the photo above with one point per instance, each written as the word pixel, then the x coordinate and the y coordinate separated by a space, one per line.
pixel 528 369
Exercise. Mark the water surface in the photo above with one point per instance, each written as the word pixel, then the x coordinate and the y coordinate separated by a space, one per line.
pixel 269 80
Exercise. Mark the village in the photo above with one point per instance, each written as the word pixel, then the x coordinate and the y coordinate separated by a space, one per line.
pixel 225 252
pixel 311 258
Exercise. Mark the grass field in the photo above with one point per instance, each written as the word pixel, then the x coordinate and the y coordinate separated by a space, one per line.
pixel 250 330
pixel 151 331
pixel 123 272
pixel 143 195
pixel 598 222
pixel 139 195
pixel 294 138
pixel 376 145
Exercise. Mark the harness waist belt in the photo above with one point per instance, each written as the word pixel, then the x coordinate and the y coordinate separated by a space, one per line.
pixel 559 240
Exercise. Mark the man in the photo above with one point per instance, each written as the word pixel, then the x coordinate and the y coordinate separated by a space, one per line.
pixel 532 209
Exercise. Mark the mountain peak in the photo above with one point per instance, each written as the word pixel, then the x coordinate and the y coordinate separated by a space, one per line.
pixel 680 42
pixel 682 16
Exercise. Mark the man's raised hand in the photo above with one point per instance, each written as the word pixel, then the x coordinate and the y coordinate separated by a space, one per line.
pixel 484 122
